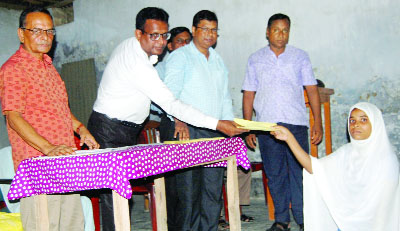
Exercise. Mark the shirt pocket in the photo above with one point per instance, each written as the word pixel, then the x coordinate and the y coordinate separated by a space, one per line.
pixel 291 74
pixel 266 75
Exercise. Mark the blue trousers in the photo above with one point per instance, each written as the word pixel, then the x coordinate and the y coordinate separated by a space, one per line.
pixel 284 173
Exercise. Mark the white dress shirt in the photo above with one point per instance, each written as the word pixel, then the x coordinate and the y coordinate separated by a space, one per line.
pixel 130 83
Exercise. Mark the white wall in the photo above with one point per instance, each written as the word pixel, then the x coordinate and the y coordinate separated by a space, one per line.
pixel 353 45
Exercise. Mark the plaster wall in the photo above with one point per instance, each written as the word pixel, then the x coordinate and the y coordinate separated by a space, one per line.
pixel 8 45
pixel 352 44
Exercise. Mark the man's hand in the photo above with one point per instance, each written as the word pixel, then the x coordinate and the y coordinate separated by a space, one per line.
pixel 229 128
pixel 316 133
pixel 31 137
pixel 87 138
pixel 251 140
pixel 182 130
pixel 58 150
pixel 315 105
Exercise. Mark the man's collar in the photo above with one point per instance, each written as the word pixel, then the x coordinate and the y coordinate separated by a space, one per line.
pixel 24 53
pixel 193 46
pixel 272 52
pixel 153 58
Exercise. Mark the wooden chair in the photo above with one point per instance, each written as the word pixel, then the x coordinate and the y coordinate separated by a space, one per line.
pixel 324 94
pixel 150 133
pixel 255 166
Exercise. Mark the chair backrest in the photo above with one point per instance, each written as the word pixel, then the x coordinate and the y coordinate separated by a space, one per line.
pixel 150 133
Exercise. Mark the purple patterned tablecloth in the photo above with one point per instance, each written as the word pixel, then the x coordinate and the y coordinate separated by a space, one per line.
pixel 113 169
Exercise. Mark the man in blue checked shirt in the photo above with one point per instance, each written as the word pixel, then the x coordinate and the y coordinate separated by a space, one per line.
pixel 273 87
pixel 197 76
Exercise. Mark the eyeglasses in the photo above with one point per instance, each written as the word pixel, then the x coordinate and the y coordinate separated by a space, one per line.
pixel 157 36
pixel 183 41
pixel 38 31
pixel 207 30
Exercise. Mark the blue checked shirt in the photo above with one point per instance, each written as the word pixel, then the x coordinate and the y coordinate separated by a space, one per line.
pixel 199 82
pixel 278 83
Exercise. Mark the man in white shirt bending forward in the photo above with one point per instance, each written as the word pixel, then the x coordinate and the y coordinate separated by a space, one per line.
pixel 129 84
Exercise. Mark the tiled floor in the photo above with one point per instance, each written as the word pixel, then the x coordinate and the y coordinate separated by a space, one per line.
pixel 257 209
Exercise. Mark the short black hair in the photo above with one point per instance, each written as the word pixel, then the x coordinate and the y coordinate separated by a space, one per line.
pixel 22 17
pixel 277 17
pixel 150 13
pixel 204 15
pixel 177 30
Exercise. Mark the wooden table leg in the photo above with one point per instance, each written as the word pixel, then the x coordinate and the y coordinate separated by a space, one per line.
pixel 161 204
pixel 42 213
pixel 121 213
pixel 233 194
pixel 328 137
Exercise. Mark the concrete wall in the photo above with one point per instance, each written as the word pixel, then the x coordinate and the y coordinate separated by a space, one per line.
pixel 8 45
pixel 353 45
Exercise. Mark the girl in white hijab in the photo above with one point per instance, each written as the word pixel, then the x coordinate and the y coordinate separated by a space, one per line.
pixel 357 187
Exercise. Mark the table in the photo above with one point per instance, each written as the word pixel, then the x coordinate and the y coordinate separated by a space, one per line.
pixel 113 168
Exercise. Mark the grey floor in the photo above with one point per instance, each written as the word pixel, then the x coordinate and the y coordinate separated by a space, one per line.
pixel 257 209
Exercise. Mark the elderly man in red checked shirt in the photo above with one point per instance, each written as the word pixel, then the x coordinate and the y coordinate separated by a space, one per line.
pixel 39 121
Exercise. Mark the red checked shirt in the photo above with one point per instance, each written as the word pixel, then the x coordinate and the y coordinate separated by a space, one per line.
pixel 35 89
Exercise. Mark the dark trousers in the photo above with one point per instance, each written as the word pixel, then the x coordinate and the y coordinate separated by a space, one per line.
pixel 284 173
pixel 110 134
pixel 194 196
pixel 167 129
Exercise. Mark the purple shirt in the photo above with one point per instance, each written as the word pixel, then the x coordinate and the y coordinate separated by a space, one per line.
pixel 278 83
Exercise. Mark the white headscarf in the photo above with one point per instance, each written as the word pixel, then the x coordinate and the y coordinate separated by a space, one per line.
pixel 355 188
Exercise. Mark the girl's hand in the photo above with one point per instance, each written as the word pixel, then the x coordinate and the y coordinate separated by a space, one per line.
pixel 281 133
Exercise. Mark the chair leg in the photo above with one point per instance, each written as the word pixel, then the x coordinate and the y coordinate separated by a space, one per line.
pixel 225 203
pixel 96 212
pixel 152 205
pixel 146 202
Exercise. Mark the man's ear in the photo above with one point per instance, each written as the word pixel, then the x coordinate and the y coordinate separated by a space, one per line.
pixel 169 46
pixel 21 35
pixel 267 34
pixel 138 34
pixel 193 30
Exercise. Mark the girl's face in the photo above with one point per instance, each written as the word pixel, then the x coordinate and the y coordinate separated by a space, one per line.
pixel 359 125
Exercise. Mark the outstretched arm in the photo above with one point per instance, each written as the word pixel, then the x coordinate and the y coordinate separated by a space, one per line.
pixel 29 135
pixel 282 133
pixel 229 128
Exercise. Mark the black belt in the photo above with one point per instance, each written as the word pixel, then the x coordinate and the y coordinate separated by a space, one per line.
pixel 122 122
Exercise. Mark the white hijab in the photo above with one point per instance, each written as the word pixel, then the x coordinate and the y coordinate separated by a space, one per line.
pixel 357 187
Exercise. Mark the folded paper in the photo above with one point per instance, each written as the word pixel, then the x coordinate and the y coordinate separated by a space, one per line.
pixel 254 125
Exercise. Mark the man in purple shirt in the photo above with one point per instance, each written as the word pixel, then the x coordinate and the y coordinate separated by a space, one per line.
pixel 277 73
